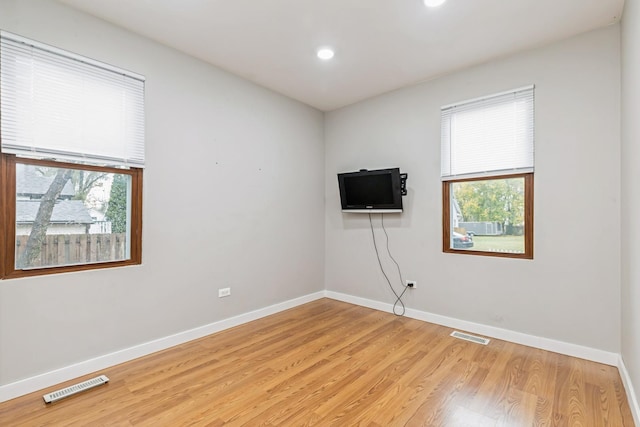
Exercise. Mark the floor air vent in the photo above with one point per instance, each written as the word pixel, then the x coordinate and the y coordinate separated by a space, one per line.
pixel 74 389
pixel 472 338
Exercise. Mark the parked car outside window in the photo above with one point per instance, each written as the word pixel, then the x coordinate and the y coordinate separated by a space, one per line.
pixel 461 241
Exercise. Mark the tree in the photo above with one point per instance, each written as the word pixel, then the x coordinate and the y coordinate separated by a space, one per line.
pixel 117 208
pixel 84 181
pixel 43 218
pixel 495 200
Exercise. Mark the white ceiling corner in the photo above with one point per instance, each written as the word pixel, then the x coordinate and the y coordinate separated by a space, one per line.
pixel 380 45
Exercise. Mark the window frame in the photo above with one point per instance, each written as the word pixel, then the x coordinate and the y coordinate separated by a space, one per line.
pixel 8 215
pixel 528 217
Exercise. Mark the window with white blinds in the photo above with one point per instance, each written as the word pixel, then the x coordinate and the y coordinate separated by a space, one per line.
pixel 493 135
pixel 59 105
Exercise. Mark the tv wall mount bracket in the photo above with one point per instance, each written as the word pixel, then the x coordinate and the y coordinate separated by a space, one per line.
pixel 403 183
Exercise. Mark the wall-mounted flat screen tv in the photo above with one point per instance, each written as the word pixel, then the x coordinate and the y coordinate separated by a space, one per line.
pixel 368 191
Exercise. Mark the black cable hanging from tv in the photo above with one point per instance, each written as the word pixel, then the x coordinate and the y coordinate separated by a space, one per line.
pixel 398 297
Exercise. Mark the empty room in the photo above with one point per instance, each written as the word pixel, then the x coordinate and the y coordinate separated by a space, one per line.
pixel 320 212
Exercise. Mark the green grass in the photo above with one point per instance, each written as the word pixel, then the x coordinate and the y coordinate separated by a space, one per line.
pixel 510 244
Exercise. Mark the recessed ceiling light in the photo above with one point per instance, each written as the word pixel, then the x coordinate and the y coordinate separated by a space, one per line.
pixel 433 3
pixel 325 53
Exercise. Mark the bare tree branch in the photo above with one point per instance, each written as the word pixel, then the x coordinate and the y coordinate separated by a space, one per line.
pixel 43 218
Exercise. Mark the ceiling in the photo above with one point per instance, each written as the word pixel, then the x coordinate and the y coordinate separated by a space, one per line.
pixel 380 45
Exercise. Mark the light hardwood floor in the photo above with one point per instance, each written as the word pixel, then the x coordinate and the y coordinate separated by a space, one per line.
pixel 330 363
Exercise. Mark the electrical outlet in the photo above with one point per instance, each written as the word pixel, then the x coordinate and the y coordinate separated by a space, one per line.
pixel 411 284
pixel 224 292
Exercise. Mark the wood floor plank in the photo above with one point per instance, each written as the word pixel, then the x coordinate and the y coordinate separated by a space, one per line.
pixel 331 363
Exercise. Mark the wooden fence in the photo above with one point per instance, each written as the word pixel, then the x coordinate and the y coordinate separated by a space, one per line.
pixel 67 249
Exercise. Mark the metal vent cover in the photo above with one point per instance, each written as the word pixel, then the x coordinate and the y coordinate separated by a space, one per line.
pixel 76 388
pixel 472 338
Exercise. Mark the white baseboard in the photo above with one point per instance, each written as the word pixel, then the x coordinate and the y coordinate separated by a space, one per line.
pixel 48 379
pixel 561 347
pixel 632 397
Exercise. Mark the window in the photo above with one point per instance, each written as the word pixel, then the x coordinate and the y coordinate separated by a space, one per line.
pixel 487 175
pixel 72 141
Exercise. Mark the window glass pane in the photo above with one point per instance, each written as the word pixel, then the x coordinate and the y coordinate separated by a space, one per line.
pixel 71 216
pixel 488 215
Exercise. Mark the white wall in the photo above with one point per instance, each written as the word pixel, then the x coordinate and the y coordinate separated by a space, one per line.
pixel 244 207
pixel 571 290
pixel 233 196
pixel 631 192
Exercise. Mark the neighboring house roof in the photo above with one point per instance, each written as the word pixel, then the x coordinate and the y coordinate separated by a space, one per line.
pixel 64 212
pixel 30 182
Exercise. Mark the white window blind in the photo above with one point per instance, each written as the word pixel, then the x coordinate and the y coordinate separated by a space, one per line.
pixel 492 135
pixel 55 104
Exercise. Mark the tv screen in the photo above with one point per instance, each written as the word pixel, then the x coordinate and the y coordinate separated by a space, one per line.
pixel 371 191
